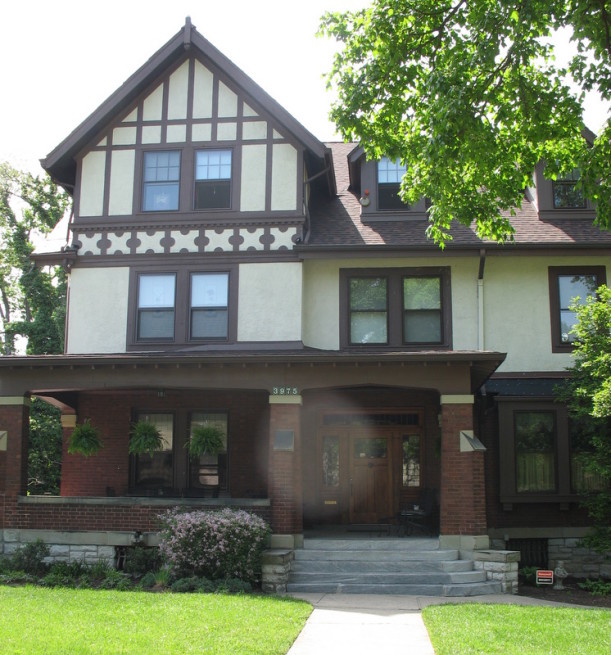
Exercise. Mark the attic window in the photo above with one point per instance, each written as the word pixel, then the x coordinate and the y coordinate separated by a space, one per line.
pixel 161 181
pixel 390 174
pixel 566 193
pixel 213 179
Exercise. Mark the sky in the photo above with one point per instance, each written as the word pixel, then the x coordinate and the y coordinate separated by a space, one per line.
pixel 60 59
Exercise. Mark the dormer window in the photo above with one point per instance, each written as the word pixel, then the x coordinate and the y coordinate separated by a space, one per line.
pixel 390 174
pixel 161 181
pixel 213 179
pixel 566 194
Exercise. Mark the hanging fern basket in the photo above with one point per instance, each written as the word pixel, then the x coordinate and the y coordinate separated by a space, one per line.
pixel 205 440
pixel 84 440
pixel 144 438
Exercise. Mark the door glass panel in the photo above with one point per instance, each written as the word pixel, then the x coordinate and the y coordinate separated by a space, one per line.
pixel 156 471
pixel 411 460
pixel 370 448
pixel 330 461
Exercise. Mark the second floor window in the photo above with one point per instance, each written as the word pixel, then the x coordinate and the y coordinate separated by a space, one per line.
pixel 397 307
pixel 567 284
pixel 213 179
pixel 209 311
pixel 390 174
pixel 161 181
pixel 156 306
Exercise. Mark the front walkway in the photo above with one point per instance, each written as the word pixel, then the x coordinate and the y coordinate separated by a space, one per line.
pixel 371 624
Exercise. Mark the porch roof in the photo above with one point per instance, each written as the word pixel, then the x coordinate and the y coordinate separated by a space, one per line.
pixel 447 371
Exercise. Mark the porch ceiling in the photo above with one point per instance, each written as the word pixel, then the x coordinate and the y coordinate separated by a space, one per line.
pixel 449 372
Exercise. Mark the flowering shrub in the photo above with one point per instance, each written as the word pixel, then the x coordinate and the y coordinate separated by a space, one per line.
pixel 214 544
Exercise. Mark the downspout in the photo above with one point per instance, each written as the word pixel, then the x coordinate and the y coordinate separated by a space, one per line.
pixel 480 301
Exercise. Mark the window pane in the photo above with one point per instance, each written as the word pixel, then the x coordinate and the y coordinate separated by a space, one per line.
pixel 210 470
pixel 156 291
pixel 209 323
pixel 156 296
pixel 390 171
pixel 569 288
pixel 411 461
pixel 330 461
pixel 368 327
pixel 422 293
pixel 535 435
pixel 156 324
pixel 370 448
pixel 161 181
pixel 573 286
pixel 422 327
pixel 213 165
pixel 368 293
pixel 566 195
pixel 209 289
pixel 157 471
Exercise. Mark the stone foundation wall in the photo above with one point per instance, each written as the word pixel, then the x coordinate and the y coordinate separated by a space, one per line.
pixel 579 561
pixel 499 565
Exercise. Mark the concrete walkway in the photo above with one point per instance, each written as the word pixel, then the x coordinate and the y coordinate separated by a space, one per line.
pixel 365 624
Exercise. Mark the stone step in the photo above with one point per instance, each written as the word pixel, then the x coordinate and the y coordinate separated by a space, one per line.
pixel 404 545
pixel 452 590
pixel 360 555
pixel 395 577
pixel 378 566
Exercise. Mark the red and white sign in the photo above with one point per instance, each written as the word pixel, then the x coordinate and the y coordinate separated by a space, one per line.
pixel 545 577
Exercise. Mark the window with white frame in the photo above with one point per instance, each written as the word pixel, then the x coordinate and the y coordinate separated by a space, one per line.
pixel 390 174
pixel 156 306
pixel 209 305
pixel 213 179
pixel 161 180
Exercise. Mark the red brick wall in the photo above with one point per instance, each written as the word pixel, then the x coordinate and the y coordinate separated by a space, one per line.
pixel 108 471
pixel 285 477
pixel 462 498
pixel 51 516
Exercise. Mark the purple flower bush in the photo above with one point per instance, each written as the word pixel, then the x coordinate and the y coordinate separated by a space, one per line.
pixel 214 544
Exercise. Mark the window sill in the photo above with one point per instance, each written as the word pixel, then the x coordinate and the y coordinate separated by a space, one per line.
pixel 166 501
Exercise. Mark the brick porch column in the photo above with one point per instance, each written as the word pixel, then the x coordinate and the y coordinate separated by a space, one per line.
pixel 462 496
pixel 14 426
pixel 68 422
pixel 285 487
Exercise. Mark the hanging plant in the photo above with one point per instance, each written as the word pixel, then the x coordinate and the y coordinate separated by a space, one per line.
pixel 205 440
pixel 84 440
pixel 145 437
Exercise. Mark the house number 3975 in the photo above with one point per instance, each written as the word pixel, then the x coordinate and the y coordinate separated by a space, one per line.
pixel 285 391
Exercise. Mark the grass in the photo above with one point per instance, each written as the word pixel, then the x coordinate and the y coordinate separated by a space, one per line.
pixel 513 629
pixel 35 620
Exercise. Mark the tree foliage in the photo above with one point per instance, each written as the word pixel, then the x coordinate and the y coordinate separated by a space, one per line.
pixel 588 396
pixel 32 304
pixel 32 299
pixel 469 96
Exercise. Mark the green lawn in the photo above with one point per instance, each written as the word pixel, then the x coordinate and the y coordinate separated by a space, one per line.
pixel 513 629
pixel 35 620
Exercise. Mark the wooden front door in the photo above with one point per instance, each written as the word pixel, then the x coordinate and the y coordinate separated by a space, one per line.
pixel 370 481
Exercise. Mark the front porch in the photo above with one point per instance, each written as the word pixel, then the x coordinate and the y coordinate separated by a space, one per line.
pixel 344 438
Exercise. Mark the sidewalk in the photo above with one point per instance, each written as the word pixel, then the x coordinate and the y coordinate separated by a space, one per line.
pixel 365 624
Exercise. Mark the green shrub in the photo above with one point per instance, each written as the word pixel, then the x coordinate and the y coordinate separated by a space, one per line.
pixel 163 577
pixel 116 580
pixel 597 587
pixel 214 544
pixel 528 575
pixel 148 580
pixel 140 560
pixel 55 579
pixel 30 558
pixel 100 570
pixel 15 576
pixel 185 585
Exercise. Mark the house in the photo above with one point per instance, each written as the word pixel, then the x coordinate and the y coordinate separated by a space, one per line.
pixel 228 269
